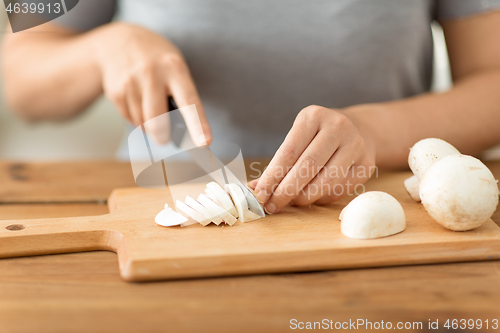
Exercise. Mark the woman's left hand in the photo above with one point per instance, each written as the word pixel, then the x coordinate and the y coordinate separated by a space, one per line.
pixel 323 158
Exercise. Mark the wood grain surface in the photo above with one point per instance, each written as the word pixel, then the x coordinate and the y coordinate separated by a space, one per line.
pixel 62 182
pixel 298 239
pixel 83 292
pixel 74 181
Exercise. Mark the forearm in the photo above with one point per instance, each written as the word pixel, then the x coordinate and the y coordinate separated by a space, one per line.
pixel 49 75
pixel 467 116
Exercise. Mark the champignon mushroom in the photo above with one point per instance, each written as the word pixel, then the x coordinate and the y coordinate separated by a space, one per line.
pixel 459 192
pixel 426 152
pixel 372 215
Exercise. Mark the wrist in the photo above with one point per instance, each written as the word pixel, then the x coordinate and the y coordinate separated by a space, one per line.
pixel 362 116
pixel 106 45
pixel 100 40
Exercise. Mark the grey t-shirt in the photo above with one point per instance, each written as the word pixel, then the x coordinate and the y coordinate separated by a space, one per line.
pixel 258 63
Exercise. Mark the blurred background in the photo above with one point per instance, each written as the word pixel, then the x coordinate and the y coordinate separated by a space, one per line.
pixel 98 132
pixel 95 134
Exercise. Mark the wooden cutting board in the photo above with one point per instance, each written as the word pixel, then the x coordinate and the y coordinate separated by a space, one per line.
pixel 298 239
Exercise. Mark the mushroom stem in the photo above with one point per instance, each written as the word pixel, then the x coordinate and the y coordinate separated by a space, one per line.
pixel 412 185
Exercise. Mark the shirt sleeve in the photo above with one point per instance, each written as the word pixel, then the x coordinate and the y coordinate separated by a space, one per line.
pixel 88 14
pixel 453 9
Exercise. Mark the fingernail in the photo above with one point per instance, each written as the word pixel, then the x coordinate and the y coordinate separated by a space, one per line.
pixel 270 208
pixel 261 198
pixel 202 141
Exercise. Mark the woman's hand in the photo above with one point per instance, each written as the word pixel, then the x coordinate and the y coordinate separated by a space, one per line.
pixel 323 158
pixel 140 69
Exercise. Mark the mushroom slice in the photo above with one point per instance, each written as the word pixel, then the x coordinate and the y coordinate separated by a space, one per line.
pixel 203 210
pixel 169 217
pixel 372 215
pixel 216 209
pixel 197 216
pixel 238 197
pixel 212 197
pixel 222 198
pixel 411 185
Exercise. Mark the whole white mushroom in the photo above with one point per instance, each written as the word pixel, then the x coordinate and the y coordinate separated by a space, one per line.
pixel 372 215
pixel 459 192
pixel 426 152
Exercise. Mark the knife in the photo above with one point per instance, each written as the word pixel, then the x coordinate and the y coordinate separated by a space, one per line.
pixel 207 160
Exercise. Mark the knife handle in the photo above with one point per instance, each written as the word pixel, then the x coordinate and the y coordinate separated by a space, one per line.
pixel 171 104
pixel 177 124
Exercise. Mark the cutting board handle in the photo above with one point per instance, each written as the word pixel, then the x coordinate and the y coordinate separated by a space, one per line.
pixel 20 238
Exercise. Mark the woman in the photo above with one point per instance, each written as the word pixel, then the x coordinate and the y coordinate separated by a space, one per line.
pixel 354 74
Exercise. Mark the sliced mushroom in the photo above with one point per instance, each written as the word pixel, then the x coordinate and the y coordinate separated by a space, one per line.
pixel 198 217
pixel 203 210
pixel 216 209
pixel 212 197
pixel 241 204
pixel 222 197
pixel 169 217
pixel 216 206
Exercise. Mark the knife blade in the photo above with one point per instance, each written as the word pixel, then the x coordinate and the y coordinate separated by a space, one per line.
pixel 207 161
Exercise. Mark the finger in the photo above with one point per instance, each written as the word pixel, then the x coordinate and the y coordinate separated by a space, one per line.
pixel 120 101
pixel 134 101
pixel 184 92
pixel 154 107
pixel 330 177
pixel 357 175
pixel 316 155
pixel 253 183
pixel 297 140
pixel 347 186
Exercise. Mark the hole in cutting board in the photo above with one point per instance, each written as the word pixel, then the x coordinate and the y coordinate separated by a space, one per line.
pixel 15 227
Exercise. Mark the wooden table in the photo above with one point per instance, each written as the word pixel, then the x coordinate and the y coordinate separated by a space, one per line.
pixel 83 292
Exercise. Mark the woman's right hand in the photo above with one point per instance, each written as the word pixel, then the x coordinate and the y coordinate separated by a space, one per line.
pixel 139 70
